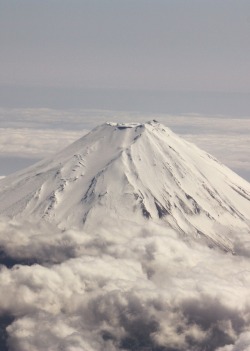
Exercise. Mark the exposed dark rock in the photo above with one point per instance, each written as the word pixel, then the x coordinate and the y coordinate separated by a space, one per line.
pixel 145 212
pixel 162 211
pixel 123 127
pixel 184 207
pixel 195 205
pixel 90 190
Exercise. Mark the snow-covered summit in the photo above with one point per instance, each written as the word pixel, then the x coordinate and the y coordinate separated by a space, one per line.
pixel 132 172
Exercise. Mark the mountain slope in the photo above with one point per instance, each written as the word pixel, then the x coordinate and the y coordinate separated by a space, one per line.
pixel 132 172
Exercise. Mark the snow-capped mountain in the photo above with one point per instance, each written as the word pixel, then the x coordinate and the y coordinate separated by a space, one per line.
pixel 136 173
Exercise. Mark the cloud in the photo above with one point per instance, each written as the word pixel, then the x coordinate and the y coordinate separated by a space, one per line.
pixel 35 143
pixel 133 289
pixel 128 288
pixel 242 344
pixel 38 133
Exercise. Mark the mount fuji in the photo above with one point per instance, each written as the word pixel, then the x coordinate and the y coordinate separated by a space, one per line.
pixel 132 173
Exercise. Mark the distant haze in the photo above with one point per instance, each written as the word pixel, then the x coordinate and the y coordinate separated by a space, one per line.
pixel 163 56
pixel 60 58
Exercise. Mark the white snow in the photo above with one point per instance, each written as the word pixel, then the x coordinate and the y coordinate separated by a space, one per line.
pixel 105 249
pixel 132 172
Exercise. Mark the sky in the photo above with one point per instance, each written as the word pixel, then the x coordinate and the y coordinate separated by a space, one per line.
pixel 152 55
pixel 74 64
pixel 68 65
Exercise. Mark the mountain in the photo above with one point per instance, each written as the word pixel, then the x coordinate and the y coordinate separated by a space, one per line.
pixel 132 173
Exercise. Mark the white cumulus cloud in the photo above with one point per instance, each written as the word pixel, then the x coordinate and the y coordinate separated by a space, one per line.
pixel 133 289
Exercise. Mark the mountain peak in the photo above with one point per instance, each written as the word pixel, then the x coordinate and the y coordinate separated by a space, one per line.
pixel 152 125
pixel 132 125
pixel 133 172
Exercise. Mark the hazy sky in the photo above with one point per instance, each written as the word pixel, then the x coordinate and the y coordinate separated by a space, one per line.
pixel 173 57
pixel 156 59
pixel 58 48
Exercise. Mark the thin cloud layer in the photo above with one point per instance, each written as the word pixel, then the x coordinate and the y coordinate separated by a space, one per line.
pixel 38 133
pixel 129 289
pixel 32 143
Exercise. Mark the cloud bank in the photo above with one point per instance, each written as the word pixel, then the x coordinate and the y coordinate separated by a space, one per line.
pixel 38 133
pixel 32 143
pixel 128 289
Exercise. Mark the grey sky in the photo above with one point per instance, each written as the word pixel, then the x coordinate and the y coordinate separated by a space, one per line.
pixel 150 56
pixel 168 45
